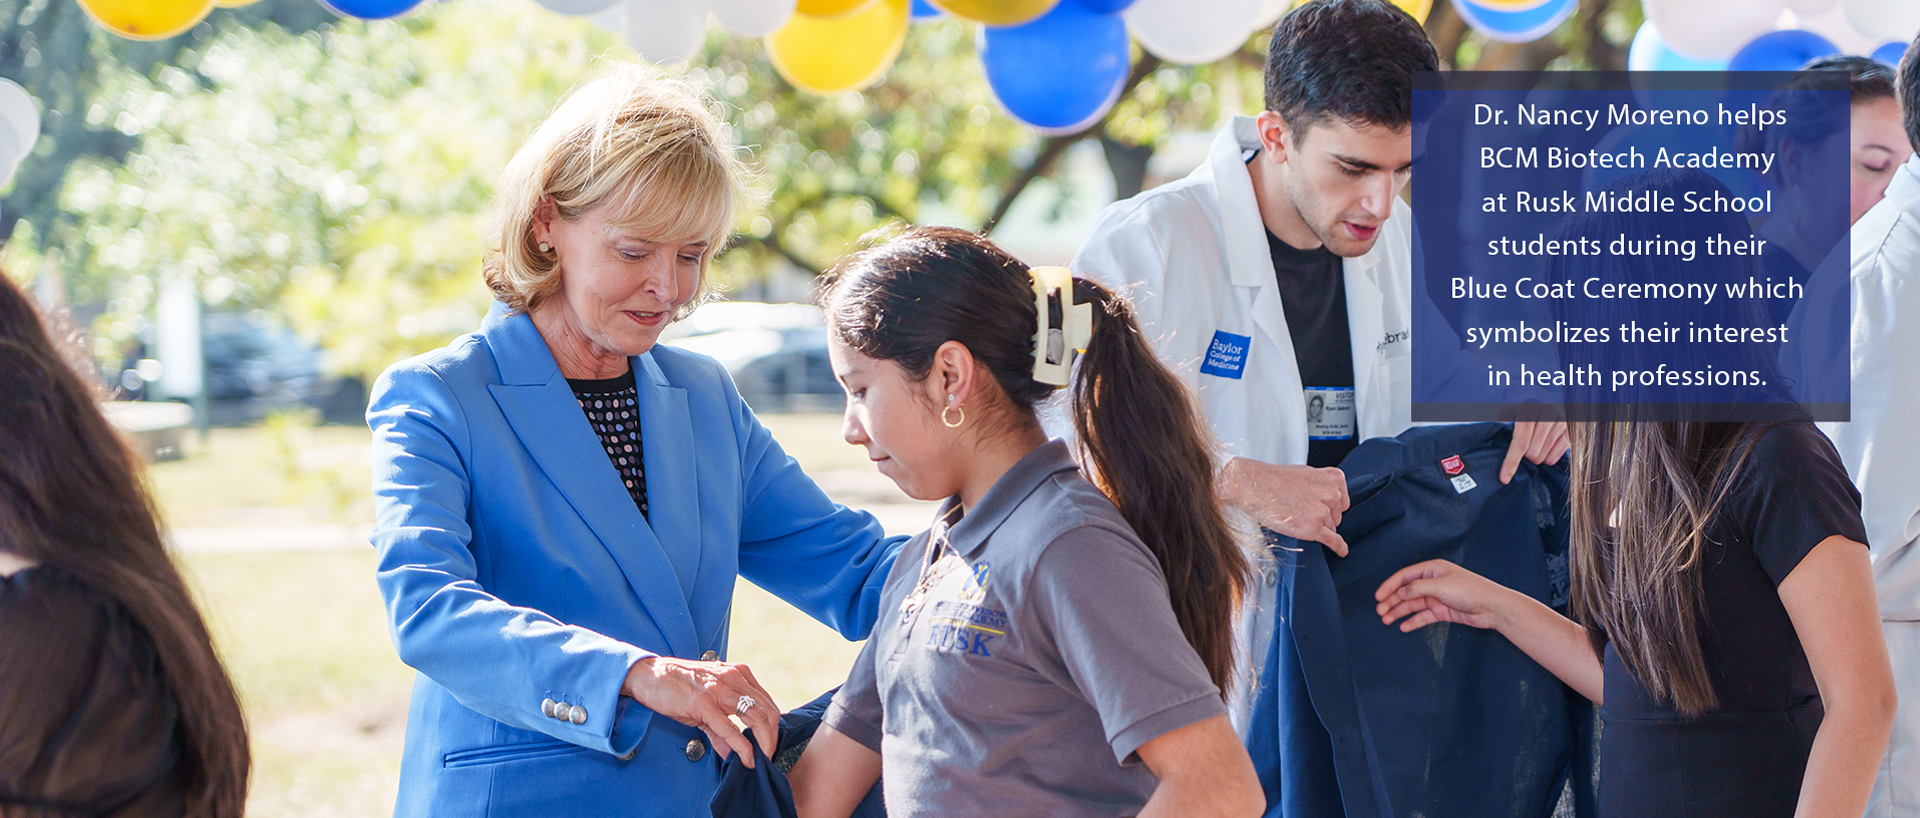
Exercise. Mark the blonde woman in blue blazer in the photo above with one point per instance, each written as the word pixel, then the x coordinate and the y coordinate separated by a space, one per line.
pixel 560 578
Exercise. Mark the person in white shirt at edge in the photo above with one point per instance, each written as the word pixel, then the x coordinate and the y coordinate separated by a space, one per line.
pixel 1878 443
pixel 1280 272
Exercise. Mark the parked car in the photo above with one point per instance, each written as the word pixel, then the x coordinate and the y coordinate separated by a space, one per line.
pixel 776 353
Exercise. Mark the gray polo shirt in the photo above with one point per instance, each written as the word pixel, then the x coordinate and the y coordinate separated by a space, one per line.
pixel 1040 654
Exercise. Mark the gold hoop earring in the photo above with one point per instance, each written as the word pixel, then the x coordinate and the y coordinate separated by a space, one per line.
pixel 953 424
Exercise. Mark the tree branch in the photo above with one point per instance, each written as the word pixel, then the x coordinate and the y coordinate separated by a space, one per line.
pixel 1053 146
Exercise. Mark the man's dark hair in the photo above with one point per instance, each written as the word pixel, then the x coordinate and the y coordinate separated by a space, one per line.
pixel 1351 59
pixel 1910 92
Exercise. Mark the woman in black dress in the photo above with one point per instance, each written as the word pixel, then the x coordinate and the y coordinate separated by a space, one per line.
pixel 1723 608
pixel 112 702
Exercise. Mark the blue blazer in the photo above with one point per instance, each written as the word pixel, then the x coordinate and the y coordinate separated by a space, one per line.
pixel 516 569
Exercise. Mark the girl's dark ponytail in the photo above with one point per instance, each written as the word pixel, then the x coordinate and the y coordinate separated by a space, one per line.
pixel 1141 438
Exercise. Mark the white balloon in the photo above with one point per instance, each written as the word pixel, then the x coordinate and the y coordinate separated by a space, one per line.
pixel 1806 7
pixel 751 18
pixel 1270 13
pixel 1191 31
pixel 22 126
pixel 1711 29
pixel 578 8
pixel 663 30
pixel 1883 20
pixel 1832 24
pixel 613 19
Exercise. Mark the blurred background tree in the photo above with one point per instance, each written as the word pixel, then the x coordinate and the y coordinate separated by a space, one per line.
pixel 337 172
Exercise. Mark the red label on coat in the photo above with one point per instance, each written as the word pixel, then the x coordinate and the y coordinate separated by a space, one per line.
pixel 1453 465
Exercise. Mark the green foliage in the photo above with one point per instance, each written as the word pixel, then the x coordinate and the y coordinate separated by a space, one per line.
pixel 342 177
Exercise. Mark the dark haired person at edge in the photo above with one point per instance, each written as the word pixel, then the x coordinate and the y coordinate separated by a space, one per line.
pixel 1872 285
pixel 1724 615
pixel 1875 145
pixel 112 701
pixel 1284 265
pixel 1059 643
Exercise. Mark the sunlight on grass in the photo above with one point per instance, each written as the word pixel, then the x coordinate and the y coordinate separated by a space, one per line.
pixel 304 633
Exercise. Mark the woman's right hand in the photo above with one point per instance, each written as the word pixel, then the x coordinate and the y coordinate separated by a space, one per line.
pixel 1439 591
pixel 703 695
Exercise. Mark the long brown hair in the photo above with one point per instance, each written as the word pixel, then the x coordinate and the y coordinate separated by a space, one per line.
pixel 1643 495
pixel 70 499
pixel 1141 439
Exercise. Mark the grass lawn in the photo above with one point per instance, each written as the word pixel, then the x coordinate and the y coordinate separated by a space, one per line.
pixel 304 635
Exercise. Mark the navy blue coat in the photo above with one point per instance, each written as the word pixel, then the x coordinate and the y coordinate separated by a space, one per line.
pixel 1354 717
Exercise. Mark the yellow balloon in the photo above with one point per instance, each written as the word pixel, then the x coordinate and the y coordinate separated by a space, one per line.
pixel 838 53
pixel 147 19
pixel 1419 9
pixel 996 12
pixel 835 8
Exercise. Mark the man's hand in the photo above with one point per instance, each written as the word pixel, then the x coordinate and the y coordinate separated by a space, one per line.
pixel 1539 442
pixel 1301 502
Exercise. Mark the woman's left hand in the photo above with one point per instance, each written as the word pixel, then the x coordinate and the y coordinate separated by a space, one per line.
pixel 704 695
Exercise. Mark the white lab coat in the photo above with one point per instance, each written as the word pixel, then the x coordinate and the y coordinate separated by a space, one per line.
pixel 1881 443
pixel 1193 257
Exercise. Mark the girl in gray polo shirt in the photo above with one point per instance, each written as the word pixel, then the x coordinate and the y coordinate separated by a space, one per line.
pixel 1053 645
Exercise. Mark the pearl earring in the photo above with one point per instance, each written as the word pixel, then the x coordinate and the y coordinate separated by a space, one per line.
pixel 545 247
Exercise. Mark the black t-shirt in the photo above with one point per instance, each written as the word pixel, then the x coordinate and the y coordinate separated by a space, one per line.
pixel 1313 294
pixel 612 406
pixel 1746 757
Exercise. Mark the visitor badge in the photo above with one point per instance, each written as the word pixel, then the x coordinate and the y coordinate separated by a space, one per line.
pixel 1330 413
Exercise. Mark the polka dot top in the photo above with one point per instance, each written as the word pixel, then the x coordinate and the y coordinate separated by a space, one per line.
pixel 613 410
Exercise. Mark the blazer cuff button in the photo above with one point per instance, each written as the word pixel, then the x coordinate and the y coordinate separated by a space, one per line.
pixel 546 707
pixel 577 714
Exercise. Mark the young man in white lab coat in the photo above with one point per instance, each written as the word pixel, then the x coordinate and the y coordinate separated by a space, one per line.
pixel 1880 445
pixel 1278 275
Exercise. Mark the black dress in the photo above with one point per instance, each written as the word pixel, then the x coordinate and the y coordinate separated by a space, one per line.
pixel 87 727
pixel 1747 757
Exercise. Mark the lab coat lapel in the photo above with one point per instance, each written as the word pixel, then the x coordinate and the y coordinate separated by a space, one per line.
pixel 1250 264
pixel 541 408
pixel 1365 332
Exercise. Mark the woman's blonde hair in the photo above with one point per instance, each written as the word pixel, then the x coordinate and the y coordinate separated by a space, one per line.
pixel 641 148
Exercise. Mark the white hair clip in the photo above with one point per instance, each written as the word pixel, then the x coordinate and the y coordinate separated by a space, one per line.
pixel 1054 347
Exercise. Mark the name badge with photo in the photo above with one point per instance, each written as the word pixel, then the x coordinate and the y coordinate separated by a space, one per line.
pixel 1330 412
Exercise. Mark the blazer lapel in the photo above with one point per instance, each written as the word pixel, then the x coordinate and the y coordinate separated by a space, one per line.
pixel 541 408
pixel 673 497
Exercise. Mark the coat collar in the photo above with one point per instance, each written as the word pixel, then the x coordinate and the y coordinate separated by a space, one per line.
pixel 973 530
pixel 544 414
pixel 1905 185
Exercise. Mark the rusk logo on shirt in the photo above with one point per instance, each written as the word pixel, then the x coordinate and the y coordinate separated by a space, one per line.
pixel 1453 465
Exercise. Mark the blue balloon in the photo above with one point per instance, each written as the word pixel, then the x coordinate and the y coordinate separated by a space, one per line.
pixel 1102 6
pixel 923 10
pixel 1061 72
pixel 370 9
pixel 1781 51
pixel 1514 26
pixel 1890 53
